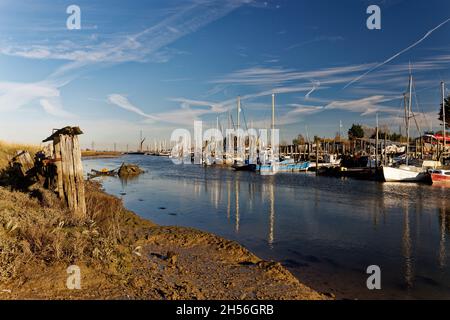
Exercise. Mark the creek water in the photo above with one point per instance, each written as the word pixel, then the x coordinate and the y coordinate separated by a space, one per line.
pixel 326 231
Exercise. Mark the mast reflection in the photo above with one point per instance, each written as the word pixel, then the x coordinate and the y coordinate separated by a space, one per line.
pixel 444 222
pixel 407 248
pixel 271 214
pixel 237 205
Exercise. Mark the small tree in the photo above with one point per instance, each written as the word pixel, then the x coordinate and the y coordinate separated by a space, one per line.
pixel 447 112
pixel 356 132
pixel 300 140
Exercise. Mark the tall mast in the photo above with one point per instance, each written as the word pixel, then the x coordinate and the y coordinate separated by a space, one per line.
pixel 376 143
pixel 443 114
pixel 238 112
pixel 408 113
pixel 273 111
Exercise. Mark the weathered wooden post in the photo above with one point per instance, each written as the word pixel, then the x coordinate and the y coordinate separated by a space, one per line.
pixel 69 169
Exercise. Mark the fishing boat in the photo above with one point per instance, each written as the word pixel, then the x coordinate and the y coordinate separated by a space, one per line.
pixel 406 172
pixel 269 169
pixel 291 166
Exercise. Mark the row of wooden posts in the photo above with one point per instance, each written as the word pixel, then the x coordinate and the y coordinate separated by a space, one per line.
pixel 58 167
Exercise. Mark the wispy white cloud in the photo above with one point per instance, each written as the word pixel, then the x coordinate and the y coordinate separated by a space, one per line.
pixel 304 109
pixel 279 76
pixel 132 47
pixel 186 114
pixel 54 107
pixel 190 110
pixel 332 39
pixel 148 45
pixel 123 102
pixel 429 33
pixel 364 106
pixel 14 95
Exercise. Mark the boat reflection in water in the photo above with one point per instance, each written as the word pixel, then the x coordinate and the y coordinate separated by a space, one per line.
pixel 327 231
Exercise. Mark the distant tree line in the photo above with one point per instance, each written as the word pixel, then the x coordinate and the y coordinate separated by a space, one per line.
pixel 447 112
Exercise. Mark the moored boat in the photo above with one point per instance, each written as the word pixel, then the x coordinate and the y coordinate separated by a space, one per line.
pixel 408 172
pixel 404 173
pixel 244 167
pixel 440 176
pixel 269 169
pixel 291 166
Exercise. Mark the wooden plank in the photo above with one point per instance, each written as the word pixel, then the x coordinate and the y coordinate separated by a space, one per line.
pixel 71 174
pixel 65 158
pixel 58 164
pixel 79 178
pixel 64 169
pixel 24 161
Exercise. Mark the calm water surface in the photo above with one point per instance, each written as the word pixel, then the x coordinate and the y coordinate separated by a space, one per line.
pixel 326 231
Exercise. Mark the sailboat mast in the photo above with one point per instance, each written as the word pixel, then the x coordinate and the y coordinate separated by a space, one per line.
pixel 376 143
pixel 273 111
pixel 443 114
pixel 408 117
pixel 238 112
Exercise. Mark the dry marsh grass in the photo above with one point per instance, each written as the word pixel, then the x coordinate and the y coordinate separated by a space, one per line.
pixel 36 228
pixel 9 149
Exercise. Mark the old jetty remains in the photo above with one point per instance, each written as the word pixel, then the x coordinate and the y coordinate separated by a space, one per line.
pixel 66 157
pixel 22 162
pixel 126 170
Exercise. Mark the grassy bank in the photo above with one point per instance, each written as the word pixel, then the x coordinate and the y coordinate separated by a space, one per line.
pixel 100 154
pixel 122 256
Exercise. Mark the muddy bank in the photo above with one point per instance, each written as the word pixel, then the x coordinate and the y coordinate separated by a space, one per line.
pixel 122 256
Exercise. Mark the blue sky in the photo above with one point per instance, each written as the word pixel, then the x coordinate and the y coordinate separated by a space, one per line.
pixel 158 65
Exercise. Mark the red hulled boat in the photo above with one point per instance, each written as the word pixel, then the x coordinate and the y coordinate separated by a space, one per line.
pixel 440 176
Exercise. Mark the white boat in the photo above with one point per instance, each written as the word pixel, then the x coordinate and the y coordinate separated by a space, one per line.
pixel 404 173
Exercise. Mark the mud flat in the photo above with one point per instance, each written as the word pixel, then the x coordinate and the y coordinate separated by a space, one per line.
pixel 122 256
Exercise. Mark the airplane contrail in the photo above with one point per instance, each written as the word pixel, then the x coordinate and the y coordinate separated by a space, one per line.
pixel 316 84
pixel 398 54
